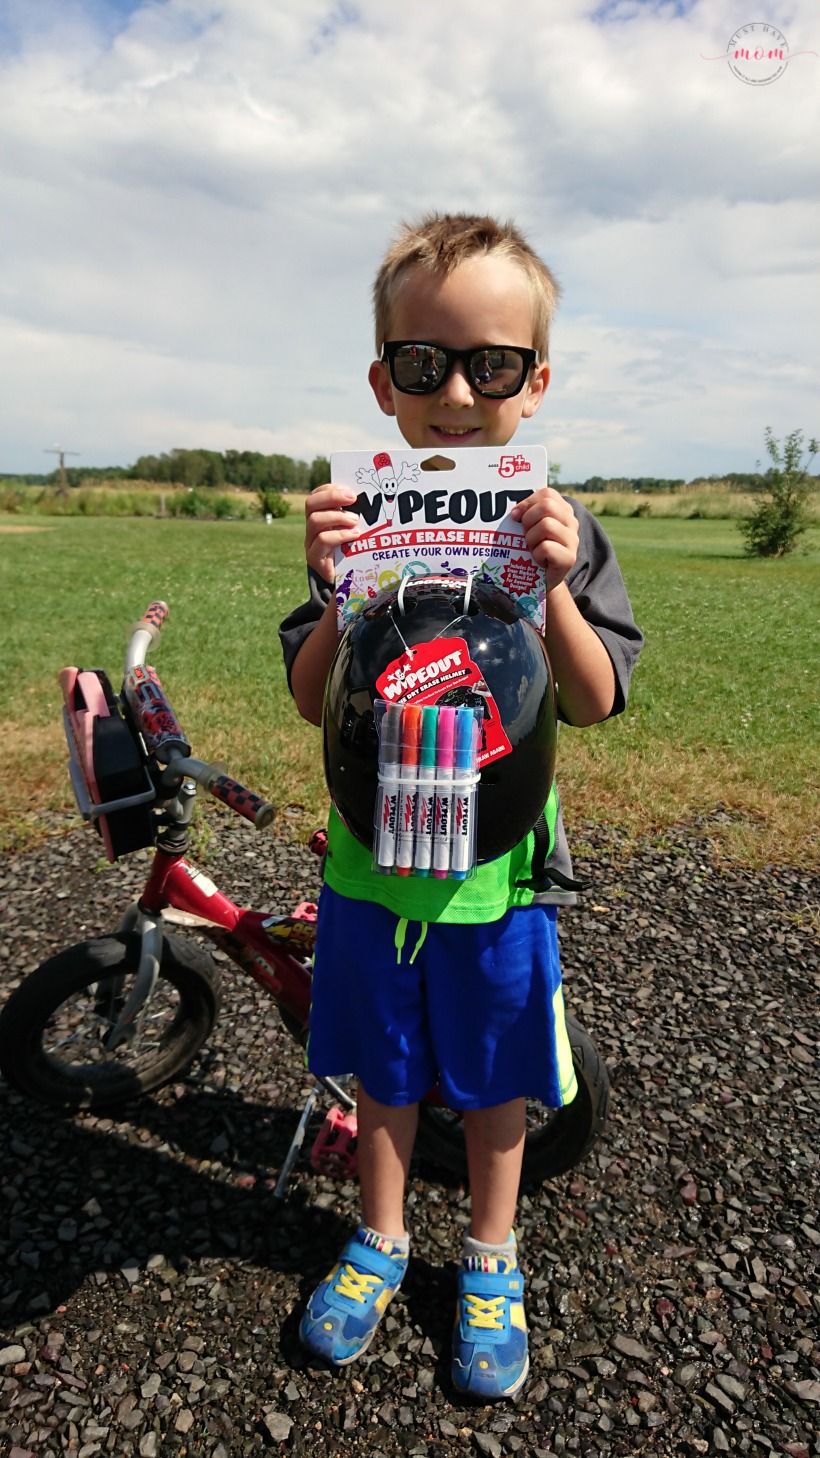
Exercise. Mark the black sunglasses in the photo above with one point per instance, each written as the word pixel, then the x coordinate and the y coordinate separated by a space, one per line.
pixel 496 370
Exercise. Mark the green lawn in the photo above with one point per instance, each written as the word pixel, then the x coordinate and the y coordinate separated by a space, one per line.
pixel 725 705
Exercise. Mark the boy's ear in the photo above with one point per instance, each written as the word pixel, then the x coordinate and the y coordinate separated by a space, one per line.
pixel 536 389
pixel 379 377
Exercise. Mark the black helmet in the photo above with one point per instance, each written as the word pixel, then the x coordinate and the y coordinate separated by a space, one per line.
pixel 513 683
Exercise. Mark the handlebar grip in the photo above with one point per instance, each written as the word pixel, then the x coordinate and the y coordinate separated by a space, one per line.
pixel 152 712
pixel 260 812
pixel 151 620
pixel 154 615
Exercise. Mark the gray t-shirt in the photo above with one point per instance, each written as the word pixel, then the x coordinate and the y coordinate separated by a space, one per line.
pixel 600 595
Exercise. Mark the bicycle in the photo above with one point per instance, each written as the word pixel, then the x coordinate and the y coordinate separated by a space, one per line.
pixel 118 1017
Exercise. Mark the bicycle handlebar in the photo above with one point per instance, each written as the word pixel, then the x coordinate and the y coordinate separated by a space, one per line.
pixel 144 633
pixel 161 730
pixel 236 796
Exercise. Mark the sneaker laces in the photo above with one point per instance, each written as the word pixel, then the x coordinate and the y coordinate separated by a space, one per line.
pixel 356 1285
pixel 484 1311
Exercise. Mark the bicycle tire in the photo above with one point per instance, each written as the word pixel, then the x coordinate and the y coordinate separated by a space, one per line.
pixel 52 1025
pixel 556 1139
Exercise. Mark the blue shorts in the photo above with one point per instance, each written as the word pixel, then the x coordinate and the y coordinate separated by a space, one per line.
pixel 476 1009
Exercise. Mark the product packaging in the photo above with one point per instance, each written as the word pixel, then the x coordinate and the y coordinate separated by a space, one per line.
pixel 438 514
pixel 426 802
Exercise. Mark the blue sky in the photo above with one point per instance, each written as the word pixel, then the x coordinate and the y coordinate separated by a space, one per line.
pixel 197 193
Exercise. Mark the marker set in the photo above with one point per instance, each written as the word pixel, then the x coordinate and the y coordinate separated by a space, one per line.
pixel 426 801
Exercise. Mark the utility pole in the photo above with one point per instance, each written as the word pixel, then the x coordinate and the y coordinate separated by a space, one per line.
pixel 58 451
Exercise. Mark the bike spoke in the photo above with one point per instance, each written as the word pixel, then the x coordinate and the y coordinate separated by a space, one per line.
pixel 76 1035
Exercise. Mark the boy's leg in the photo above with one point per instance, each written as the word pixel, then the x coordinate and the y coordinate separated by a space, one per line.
pixel 345 1309
pixel 490 1354
pixel 495 1149
pixel 385 1143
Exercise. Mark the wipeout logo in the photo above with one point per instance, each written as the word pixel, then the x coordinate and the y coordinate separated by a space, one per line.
pixel 389 813
pixel 462 507
pixel 425 825
pixel 402 681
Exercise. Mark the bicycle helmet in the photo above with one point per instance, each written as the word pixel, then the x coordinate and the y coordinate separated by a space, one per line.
pixel 509 675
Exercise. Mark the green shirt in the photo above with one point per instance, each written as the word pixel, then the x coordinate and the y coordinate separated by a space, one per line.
pixel 496 886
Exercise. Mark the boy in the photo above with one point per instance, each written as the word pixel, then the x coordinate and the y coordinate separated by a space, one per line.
pixel 459 284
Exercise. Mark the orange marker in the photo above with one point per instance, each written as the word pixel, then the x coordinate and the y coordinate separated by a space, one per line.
pixel 408 788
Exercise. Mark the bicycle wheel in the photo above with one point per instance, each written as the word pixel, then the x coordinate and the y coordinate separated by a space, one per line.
pixel 54 1026
pixel 556 1139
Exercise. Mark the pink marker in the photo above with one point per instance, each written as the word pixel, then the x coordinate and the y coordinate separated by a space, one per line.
pixel 445 753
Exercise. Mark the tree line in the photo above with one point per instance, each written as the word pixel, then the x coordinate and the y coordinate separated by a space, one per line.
pixel 198 470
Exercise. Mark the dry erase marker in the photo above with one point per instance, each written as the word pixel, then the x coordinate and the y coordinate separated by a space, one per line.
pixel 444 791
pixel 464 781
pixel 387 801
pixel 425 800
pixel 408 789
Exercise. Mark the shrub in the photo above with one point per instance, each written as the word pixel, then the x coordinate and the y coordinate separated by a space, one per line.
pixel 781 516
pixel 272 503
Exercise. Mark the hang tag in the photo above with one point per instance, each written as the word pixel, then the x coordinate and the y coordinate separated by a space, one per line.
pixel 442 672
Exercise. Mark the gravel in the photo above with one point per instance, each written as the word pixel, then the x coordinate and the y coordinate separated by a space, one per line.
pixel 152 1286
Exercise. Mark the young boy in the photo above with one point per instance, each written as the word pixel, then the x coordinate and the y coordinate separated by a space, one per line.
pixel 460 283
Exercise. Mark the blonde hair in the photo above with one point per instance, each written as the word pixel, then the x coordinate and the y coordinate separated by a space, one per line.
pixel 440 242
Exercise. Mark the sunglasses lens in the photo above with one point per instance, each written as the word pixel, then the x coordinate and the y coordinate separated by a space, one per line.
pixel 497 371
pixel 419 368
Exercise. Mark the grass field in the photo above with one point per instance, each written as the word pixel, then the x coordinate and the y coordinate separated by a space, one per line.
pixel 724 710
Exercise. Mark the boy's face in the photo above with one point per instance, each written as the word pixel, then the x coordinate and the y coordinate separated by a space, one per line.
pixel 486 300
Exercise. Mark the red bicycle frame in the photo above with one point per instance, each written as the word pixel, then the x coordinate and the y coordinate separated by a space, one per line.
pixel 271 949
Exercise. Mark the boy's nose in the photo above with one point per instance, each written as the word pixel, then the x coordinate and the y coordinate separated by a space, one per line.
pixel 456 389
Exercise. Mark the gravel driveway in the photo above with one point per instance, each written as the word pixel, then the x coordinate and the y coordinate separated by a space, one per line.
pixel 152 1287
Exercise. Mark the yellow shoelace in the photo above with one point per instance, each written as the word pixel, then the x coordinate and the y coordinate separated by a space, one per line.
pixel 483 1312
pixel 356 1284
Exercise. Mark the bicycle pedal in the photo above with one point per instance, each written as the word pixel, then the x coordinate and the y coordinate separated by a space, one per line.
pixel 332 1153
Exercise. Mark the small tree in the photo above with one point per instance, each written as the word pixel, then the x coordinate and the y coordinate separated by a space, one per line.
pixel 554 469
pixel 780 516
pixel 271 502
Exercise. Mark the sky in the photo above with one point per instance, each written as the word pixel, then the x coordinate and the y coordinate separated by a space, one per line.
pixel 196 195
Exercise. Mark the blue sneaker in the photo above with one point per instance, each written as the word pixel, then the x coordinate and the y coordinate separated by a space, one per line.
pixel 342 1314
pixel 490 1352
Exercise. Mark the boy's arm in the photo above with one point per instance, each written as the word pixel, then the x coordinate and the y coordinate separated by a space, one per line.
pixel 310 668
pixel 328 523
pixel 590 634
pixel 584 676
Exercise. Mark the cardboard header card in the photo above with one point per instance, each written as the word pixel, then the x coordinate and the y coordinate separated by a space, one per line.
pixel 426 512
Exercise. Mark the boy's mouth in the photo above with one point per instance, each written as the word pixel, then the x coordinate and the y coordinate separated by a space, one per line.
pixel 454 434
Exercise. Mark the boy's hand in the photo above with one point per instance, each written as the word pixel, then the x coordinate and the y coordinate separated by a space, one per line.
pixel 551 532
pixel 328 524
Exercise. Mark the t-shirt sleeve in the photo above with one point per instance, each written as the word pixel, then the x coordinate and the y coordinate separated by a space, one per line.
pixel 600 594
pixel 299 624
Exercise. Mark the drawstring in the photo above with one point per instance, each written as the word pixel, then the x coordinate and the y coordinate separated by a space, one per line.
pixel 401 935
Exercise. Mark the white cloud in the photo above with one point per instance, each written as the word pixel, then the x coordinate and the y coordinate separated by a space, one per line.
pixel 200 194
